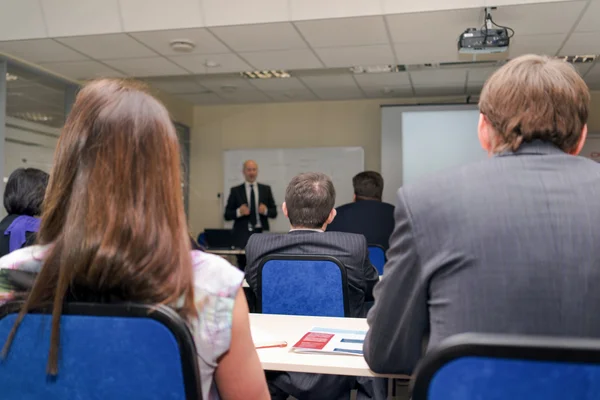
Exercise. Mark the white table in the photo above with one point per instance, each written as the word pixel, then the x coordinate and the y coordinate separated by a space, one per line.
pixel 291 328
pixel 226 252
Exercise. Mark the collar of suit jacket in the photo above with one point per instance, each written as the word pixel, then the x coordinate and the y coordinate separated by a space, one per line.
pixel 539 147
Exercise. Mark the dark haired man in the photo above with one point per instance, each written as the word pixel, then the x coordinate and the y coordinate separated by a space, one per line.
pixel 309 202
pixel 367 214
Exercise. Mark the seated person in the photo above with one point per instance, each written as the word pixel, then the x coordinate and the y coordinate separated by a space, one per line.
pixel 367 214
pixel 309 201
pixel 114 227
pixel 505 245
pixel 23 197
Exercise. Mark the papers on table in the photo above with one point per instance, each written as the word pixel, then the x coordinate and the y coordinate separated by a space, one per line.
pixel 264 340
pixel 331 341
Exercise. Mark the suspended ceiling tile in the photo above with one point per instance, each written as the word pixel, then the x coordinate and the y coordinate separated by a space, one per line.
pixel 539 18
pixel 226 63
pixel 237 12
pixel 291 95
pixel 147 15
pixel 590 22
pixel 444 50
pixel 395 6
pixel 244 38
pixel 283 59
pixel 535 44
pixel 204 41
pixel 329 82
pixel 388 92
pixel 22 19
pixel 202 98
pixel 81 70
pixel 431 27
pixel 108 47
pixel 216 83
pixel 582 43
pixel 381 80
pixel 281 85
pixel 439 77
pixel 339 93
pixel 150 66
pixel 176 85
pixel 77 17
pixel 40 51
pixel 318 9
pixel 355 56
pixel 344 32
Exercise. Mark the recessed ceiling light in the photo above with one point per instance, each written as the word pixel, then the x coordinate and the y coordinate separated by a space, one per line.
pixel 578 59
pixel 11 77
pixel 267 74
pixel 211 64
pixel 182 45
pixel 34 116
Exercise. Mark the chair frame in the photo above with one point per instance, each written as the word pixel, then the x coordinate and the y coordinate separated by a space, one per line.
pixel 160 313
pixel 305 257
pixel 517 347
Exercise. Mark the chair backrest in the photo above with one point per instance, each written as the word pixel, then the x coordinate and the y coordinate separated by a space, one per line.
pixel 202 239
pixel 302 285
pixel 107 351
pixel 495 367
pixel 377 257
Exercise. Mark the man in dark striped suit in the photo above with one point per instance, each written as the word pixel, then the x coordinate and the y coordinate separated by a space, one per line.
pixel 309 205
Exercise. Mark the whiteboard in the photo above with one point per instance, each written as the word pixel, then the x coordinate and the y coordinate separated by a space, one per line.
pixel 276 167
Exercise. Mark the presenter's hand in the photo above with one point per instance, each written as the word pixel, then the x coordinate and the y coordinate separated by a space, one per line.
pixel 262 209
pixel 244 210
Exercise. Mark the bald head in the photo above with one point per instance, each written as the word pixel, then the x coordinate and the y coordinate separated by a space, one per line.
pixel 250 170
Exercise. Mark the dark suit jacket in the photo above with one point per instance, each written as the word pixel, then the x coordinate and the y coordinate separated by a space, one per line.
pixel 349 248
pixel 237 197
pixel 506 245
pixel 371 218
pixel 5 240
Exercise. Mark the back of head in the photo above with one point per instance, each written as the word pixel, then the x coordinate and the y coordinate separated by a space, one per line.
pixel 113 213
pixel 535 98
pixel 368 185
pixel 25 191
pixel 309 199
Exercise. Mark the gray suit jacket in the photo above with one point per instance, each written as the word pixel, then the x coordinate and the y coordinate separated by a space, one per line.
pixel 508 245
pixel 350 249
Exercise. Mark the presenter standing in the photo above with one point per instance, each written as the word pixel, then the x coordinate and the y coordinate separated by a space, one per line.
pixel 250 205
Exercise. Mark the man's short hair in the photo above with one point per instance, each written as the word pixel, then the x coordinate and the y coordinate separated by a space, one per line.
pixel 309 198
pixel 25 191
pixel 368 185
pixel 535 97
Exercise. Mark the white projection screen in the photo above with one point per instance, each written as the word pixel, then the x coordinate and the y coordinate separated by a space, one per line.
pixel 417 141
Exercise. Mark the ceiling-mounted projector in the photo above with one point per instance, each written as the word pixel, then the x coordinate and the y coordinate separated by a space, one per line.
pixel 491 38
pixel 484 41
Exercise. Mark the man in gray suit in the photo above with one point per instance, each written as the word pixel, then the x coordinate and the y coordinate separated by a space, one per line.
pixel 507 245
pixel 309 202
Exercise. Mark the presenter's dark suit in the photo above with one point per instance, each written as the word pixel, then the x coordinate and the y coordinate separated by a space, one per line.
pixel 352 251
pixel 506 245
pixel 238 197
pixel 371 218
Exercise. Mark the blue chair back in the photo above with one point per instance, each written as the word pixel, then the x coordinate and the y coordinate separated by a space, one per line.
pixel 107 351
pixel 377 257
pixel 498 367
pixel 202 239
pixel 302 285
